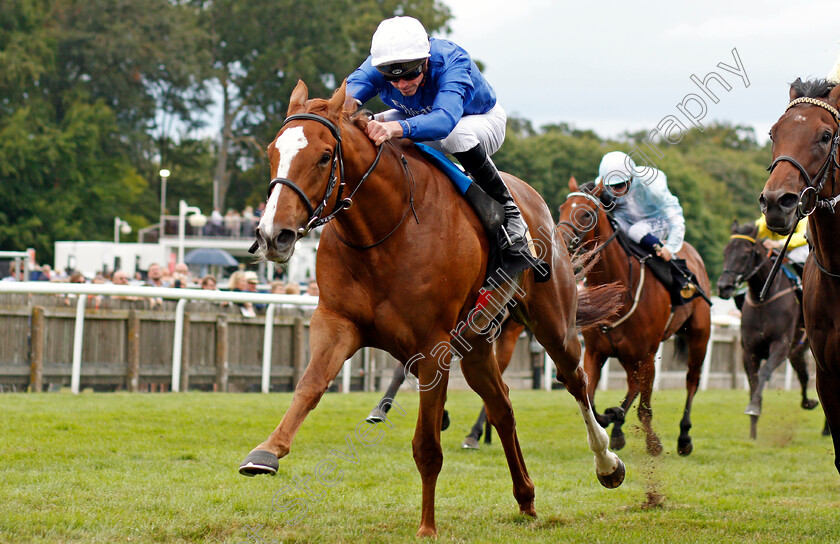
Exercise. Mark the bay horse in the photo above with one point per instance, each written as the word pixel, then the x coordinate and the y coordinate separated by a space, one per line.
pixel 805 181
pixel 647 318
pixel 400 268
pixel 772 330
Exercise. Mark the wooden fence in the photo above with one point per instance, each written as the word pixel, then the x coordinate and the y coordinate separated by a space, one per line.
pixel 128 346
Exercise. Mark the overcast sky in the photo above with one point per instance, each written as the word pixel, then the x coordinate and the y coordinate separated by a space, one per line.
pixel 619 66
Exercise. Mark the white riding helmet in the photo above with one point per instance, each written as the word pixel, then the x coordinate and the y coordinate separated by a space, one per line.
pixel 616 168
pixel 399 40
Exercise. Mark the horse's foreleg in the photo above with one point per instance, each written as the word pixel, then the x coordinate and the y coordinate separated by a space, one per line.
pixel 644 377
pixel 484 377
pixel 332 340
pixel 828 389
pixel 432 380
pixel 776 356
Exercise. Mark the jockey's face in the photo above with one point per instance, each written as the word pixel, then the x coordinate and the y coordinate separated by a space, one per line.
pixel 407 87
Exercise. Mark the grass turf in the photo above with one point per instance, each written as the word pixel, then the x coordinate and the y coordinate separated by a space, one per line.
pixel 163 468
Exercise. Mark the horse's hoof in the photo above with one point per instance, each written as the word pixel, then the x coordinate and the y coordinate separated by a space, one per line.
pixel 444 422
pixel 528 509
pixel 427 532
pixel 615 414
pixel 617 442
pixel 684 447
pixel 810 404
pixel 611 481
pixel 259 462
pixel 469 443
pixel 654 447
pixel 376 416
pixel 753 409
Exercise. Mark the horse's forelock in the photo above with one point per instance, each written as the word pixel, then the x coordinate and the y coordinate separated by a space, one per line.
pixel 747 229
pixel 812 88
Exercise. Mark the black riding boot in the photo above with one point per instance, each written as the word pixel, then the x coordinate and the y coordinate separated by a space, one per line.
pixel 476 162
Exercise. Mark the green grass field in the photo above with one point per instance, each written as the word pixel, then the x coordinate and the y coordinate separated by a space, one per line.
pixel 163 468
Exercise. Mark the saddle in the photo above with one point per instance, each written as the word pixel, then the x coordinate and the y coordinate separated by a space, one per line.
pixel 491 215
pixel 674 275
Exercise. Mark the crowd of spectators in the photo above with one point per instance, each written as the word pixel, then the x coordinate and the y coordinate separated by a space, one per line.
pixel 157 275
pixel 233 223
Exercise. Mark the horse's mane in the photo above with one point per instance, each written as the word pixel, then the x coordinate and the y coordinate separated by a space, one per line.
pixel 812 88
pixel 747 229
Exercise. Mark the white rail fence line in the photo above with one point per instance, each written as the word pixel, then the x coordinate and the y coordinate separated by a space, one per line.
pixel 181 295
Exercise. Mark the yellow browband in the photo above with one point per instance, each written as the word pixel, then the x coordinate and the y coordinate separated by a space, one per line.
pixel 815 102
pixel 743 237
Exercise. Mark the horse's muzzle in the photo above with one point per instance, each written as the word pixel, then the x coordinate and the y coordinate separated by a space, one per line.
pixel 779 209
pixel 278 249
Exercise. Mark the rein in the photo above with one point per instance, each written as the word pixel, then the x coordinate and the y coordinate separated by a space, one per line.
pixel 809 199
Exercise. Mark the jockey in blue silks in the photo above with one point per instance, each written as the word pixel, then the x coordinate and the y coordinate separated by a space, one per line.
pixel 440 98
pixel 644 206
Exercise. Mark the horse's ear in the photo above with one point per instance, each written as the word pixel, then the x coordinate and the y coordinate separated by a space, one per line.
pixel 834 96
pixel 734 225
pixel 298 98
pixel 793 88
pixel 573 186
pixel 338 99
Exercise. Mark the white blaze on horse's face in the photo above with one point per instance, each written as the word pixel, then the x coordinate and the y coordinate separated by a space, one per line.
pixel 287 146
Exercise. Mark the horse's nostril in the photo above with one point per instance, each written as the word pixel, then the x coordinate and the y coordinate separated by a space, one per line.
pixel 789 200
pixel 286 238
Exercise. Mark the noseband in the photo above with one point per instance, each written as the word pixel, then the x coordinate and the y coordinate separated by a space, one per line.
pixel 315 219
pixel 808 198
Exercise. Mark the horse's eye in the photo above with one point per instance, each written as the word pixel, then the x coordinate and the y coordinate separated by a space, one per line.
pixel 770 134
pixel 826 137
pixel 325 159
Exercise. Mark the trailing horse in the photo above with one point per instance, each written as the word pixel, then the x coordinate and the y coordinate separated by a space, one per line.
pixel 772 330
pixel 647 317
pixel 805 181
pixel 400 265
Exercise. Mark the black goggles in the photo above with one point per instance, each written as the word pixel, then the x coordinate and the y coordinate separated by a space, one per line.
pixel 399 71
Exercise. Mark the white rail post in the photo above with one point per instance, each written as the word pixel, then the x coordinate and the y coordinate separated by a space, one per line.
pixel 788 375
pixel 78 334
pixel 604 384
pixel 268 340
pixel 657 366
pixel 548 364
pixel 345 376
pixel 707 360
pixel 177 345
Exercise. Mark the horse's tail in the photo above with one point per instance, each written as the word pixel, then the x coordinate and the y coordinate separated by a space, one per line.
pixel 598 305
pixel 680 349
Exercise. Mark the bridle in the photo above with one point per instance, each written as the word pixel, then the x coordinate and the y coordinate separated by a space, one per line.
pixel 740 278
pixel 573 229
pixel 315 219
pixel 809 197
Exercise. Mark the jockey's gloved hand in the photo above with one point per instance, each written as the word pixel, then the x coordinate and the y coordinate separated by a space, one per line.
pixel 651 243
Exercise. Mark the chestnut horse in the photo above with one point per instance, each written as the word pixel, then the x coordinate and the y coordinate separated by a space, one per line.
pixel 400 270
pixel 503 346
pixel 647 318
pixel 805 181
pixel 771 330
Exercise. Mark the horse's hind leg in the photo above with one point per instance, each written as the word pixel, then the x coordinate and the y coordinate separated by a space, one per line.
pixel 333 339
pixel 377 415
pixel 776 356
pixel 697 346
pixel 797 361
pixel 563 347
pixel 484 377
